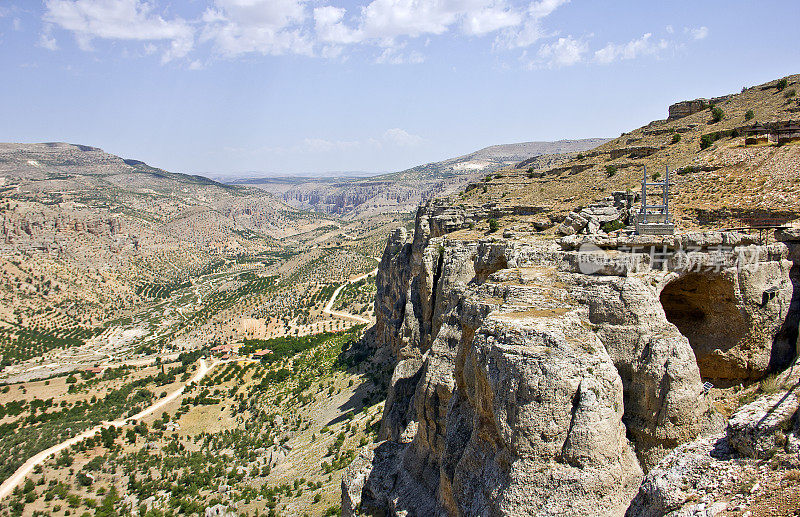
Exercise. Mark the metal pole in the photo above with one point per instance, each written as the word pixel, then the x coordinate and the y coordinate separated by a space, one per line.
pixel 644 196
pixel 666 194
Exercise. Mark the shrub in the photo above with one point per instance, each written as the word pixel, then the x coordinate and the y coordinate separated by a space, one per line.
pixel 790 93
pixel 749 115
pixel 613 226
pixel 611 170
pixel 579 157
pixel 676 137
pixel 656 176
pixel 493 225
pixel 783 83
pixel 717 113
pixel 706 141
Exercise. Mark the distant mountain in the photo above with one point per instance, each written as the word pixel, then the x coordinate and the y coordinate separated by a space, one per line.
pixel 402 191
pixel 79 201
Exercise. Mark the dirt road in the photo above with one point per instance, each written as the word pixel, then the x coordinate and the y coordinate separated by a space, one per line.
pixel 345 315
pixel 9 484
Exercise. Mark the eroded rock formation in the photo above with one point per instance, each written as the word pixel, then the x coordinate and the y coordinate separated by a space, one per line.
pixel 529 380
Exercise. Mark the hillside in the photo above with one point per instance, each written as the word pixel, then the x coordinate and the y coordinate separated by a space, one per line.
pixel 725 183
pixel 401 192
pixel 105 259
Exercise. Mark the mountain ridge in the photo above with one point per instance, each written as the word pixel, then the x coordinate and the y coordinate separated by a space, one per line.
pixel 402 191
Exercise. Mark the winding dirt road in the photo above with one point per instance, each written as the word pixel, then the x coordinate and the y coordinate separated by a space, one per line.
pixel 345 315
pixel 15 479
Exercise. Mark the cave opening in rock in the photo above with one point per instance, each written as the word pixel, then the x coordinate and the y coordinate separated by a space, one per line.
pixel 703 307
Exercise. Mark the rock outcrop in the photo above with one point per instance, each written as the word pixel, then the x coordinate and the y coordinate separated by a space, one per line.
pixel 686 108
pixel 726 470
pixel 592 218
pixel 526 383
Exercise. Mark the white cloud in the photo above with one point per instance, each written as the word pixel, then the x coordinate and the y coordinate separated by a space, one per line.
pixel 48 42
pixel 271 27
pixel 401 138
pixel 46 39
pixel 232 28
pixel 330 28
pixel 388 19
pixel 489 20
pixel 133 20
pixel 393 55
pixel 16 24
pixel 697 33
pixel 633 49
pixel 531 29
pixel 562 52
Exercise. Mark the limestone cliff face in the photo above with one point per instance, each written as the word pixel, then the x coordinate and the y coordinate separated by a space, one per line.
pixel 525 386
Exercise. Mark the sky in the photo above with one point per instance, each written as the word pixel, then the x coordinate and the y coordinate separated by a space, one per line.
pixel 266 87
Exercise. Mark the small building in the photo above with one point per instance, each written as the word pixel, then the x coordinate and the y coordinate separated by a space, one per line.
pixel 222 350
pixel 96 370
pixel 790 133
pixel 758 134
pixel 781 132
pixel 261 353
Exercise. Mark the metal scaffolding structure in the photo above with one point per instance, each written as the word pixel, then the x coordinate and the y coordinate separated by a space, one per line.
pixel 653 219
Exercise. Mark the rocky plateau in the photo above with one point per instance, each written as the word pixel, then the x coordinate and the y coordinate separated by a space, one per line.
pixel 531 377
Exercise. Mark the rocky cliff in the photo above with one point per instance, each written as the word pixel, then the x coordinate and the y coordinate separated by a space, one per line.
pixel 541 377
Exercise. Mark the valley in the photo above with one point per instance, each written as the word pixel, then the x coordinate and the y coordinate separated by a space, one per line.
pixel 427 341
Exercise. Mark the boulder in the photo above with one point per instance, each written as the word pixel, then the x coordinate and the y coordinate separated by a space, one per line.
pixel 758 429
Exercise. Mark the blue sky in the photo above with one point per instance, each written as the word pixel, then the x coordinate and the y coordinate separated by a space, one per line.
pixel 313 86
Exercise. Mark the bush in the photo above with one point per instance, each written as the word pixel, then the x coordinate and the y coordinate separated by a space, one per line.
pixel 790 93
pixel 676 137
pixel 613 226
pixel 493 225
pixel 749 115
pixel 717 113
pixel 706 141
pixel 783 83
pixel 611 170
pixel 579 157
